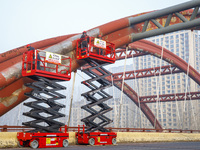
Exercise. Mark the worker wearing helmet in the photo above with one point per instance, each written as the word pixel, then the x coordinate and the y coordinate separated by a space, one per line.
pixel 84 43
pixel 30 48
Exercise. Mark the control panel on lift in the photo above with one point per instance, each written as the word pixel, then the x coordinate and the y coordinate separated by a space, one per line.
pixel 46 64
pixel 95 48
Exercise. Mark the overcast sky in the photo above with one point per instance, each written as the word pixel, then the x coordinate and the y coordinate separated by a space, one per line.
pixel 27 21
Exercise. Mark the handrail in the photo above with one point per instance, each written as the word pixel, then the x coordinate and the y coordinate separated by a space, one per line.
pixel 47 64
pixel 86 47
pixel 6 128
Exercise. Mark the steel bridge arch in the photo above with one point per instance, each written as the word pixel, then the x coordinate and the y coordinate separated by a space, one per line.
pixel 155 50
pixel 120 32
pixel 147 47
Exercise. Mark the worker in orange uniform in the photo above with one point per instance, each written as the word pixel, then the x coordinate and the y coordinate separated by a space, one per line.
pixel 38 56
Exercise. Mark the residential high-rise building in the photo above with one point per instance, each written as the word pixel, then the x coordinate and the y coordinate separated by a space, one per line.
pixel 184 44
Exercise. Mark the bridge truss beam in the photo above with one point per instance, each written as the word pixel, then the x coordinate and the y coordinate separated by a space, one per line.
pixel 153 19
pixel 121 52
pixel 170 97
pixel 149 72
pixel 171 58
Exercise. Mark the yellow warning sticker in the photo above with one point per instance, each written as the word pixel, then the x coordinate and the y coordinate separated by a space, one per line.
pixel 53 58
pixel 48 140
pixel 98 139
pixel 99 43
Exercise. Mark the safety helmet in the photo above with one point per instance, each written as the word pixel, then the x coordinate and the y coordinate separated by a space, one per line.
pixel 84 32
pixel 28 45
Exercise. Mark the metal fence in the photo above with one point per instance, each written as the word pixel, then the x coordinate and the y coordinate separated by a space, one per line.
pixel 6 128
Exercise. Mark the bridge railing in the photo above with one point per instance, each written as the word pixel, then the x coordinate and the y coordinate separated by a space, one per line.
pixel 6 128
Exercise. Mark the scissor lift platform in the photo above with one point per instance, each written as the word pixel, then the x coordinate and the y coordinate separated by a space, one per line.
pixel 46 64
pixel 97 49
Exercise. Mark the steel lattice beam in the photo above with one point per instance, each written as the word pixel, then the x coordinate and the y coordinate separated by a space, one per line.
pixel 170 97
pixel 149 72
pixel 166 27
pixel 120 53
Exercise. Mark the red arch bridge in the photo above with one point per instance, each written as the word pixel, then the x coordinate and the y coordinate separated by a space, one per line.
pixel 128 32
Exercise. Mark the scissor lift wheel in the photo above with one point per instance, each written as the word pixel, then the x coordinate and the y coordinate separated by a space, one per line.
pixel 114 141
pixel 91 141
pixel 34 144
pixel 65 143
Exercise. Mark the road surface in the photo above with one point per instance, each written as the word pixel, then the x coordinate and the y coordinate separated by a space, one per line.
pixel 131 146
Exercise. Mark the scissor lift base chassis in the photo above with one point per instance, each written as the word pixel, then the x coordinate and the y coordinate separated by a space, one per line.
pixel 45 140
pixel 98 138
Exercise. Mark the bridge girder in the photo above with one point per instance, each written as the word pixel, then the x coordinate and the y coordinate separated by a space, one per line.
pixel 170 97
pixel 120 32
pixel 120 53
pixel 148 72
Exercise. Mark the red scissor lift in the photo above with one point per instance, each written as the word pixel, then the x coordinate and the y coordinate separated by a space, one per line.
pixel 100 50
pixel 43 140
pixel 46 69
pixel 49 68
pixel 96 53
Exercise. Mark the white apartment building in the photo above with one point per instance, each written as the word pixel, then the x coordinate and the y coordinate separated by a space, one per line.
pixel 181 115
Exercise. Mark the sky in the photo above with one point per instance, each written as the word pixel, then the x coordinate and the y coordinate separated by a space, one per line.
pixel 28 21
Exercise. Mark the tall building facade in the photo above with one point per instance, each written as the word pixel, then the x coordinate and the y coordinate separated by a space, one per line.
pixel 185 115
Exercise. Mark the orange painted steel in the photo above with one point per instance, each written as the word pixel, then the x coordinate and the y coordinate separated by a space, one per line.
pixel 147 47
pixel 13 94
pixel 118 32
pixel 171 97
pixel 37 45
pixel 12 60
pixel 156 50
pixel 148 72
